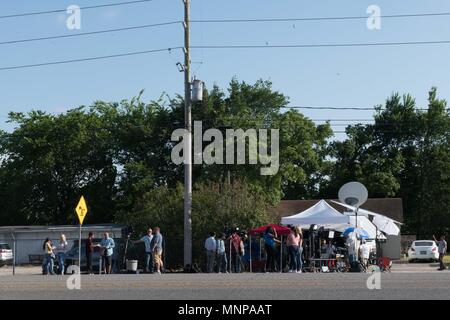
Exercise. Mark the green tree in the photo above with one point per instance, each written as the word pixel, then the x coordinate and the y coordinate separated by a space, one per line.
pixel 215 206
pixel 405 153
pixel 49 161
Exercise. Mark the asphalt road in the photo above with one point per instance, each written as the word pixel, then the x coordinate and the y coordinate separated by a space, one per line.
pixel 401 285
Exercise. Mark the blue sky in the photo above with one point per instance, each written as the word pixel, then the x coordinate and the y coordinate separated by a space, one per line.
pixel 340 77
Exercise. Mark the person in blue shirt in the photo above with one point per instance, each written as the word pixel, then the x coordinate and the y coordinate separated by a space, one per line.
pixel 157 248
pixel 147 240
pixel 270 239
pixel 107 244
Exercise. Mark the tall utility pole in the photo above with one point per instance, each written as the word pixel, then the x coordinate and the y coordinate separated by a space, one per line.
pixel 188 149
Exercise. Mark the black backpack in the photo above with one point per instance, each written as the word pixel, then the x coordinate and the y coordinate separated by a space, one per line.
pixel 192 269
pixel 356 266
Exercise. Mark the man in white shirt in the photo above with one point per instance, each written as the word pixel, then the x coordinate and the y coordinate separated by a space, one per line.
pixel 364 254
pixel 211 248
pixel 147 240
pixel 352 247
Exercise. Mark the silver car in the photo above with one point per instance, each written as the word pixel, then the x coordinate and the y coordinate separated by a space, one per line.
pixel 422 250
pixel 6 254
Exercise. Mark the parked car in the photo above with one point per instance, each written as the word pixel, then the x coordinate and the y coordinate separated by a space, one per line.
pixel 72 255
pixel 6 254
pixel 422 250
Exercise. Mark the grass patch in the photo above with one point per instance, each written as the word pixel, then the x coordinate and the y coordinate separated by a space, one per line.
pixel 447 260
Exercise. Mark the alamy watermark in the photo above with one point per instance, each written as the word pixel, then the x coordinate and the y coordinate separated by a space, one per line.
pixel 73 22
pixel 374 20
pixel 374 281
pixel 74 280
pixel 256 141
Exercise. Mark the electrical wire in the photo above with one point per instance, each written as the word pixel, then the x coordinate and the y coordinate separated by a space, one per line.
pixel 413 15
pixel 90 33
pixel 344 108
pixel 87 59
pixel 235 47
pixel 321 45
pixel 65 10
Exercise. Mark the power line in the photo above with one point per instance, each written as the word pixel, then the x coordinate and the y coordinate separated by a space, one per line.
pixel 333 120
pixel 321 45
pixel 176 22
pixel 90 33
pixel 414 15
pixel 327 108
pixel 343 108
pixel 65 10
pixel 238 47
pixel 346 124
pixel 88 59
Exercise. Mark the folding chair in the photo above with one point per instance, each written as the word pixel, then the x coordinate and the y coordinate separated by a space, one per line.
pixel 385 264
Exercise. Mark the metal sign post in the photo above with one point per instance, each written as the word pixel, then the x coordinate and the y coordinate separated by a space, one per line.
pixel 79 249
pixel 81 211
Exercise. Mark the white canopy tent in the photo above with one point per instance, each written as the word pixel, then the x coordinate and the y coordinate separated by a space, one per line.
pixel 382 222
pixel 324 215
pixel 321 214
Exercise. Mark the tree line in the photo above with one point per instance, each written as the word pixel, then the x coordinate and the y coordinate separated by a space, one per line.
pixel 118 155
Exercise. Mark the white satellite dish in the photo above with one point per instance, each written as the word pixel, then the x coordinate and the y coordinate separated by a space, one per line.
pixel 353 194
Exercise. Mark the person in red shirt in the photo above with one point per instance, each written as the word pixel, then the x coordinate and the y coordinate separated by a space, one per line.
pixel 89 251
pixel 236 251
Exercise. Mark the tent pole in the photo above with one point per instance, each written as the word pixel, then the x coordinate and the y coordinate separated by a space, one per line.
pixel 250 246
pixel 376 241
pixel 260 252
pixel 230 254
pixel 281 254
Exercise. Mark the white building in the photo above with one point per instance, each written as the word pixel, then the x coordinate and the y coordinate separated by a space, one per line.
pixel 29 239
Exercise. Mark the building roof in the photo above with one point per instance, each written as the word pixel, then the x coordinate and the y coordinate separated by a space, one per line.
pixel 60 228
pixel 390 207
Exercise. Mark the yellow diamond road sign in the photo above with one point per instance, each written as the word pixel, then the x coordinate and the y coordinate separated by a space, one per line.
pixel 81 209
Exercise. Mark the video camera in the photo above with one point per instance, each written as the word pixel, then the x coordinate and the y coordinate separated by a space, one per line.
pixel 126 232
pixel 230 230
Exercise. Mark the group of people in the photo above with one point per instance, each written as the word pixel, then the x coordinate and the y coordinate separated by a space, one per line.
pixel 216 254
pixel 52 253
pixel 58 253
pixel 153 250
pixel 106 247
pixel 153 253
pixel 294 245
